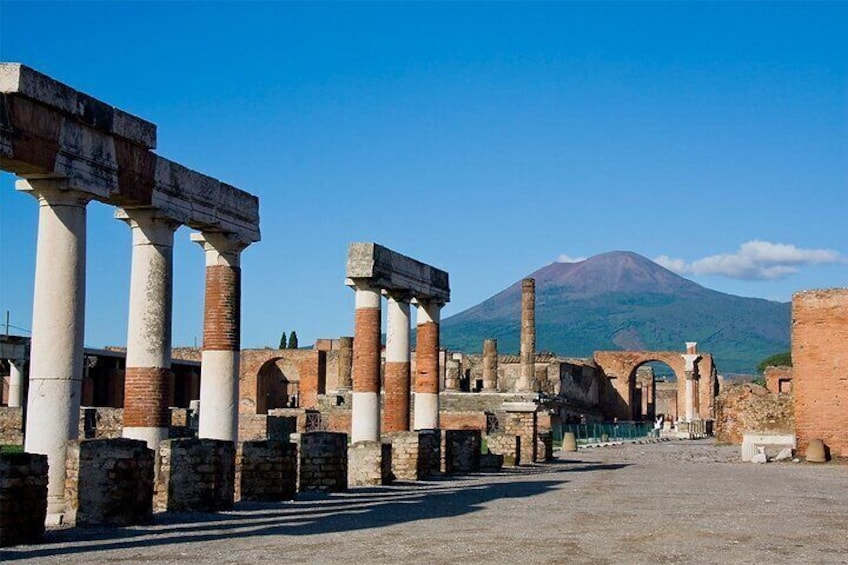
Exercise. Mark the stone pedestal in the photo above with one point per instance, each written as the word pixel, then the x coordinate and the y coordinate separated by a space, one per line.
pixel 507 446
pixel 369 464
pixel 266 471
pixel 521 420
pixel 23 497
pixel 462 451
pixel 195 475
pixel 323 463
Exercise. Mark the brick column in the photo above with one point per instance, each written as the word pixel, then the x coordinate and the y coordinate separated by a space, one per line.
pixel 365 411
pixel 527 380
pixel 397 385
pixel 148 370
pixel 345 363
pixel 221 337
pixel 490 365
pixel 58 320
pixel 427 365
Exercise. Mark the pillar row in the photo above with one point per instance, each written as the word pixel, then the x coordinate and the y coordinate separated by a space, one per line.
pixel 397 385
pixel 221 337
pixel 148 369
pixel 58 322
pixel 427 365
pixel 365 410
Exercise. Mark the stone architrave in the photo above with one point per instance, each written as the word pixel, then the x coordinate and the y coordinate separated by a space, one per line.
pixel 527 380
pixel 397 379
pixel 148 369
pixel 221 337
pixel 58 321
pixel 365 412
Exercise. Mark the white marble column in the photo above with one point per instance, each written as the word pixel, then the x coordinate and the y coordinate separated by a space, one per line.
pixel 426 411
pixel 219 373
pixel 365 409
pixel 58 321
pixel 689 359
pixel 16 383
pixel 148 368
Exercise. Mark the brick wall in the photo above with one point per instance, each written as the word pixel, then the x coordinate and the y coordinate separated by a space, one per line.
pixel 195 475
pixel 820 368
pixel 266 471
pixel 779 379
pixel 11 426
pixel 23 498
pixel 222 314
pixel 462 420
pixel 749 408
pixel 323 462
pixel 109 482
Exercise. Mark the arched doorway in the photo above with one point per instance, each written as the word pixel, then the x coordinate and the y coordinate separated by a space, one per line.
pixel 653 391
pixel 273 388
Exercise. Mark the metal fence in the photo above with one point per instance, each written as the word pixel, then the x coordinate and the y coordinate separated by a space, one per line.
pixel 595 433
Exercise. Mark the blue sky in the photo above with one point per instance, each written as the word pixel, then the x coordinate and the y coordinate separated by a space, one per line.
pixel 485 139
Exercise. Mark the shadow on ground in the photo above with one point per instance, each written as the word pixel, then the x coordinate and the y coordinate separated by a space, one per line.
pixel 315 513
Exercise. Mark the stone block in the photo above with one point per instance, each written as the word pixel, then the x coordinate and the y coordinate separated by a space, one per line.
pixel 266 471
pixel 23 498
pixel 462 451
pixel 507 446
pixel 195 475
pixel 772 444
pixel 369 463
pixel 323 461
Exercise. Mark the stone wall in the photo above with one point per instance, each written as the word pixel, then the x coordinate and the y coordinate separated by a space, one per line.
pixel 779 379
pixel 101 423
pixel 507 446
pixel 23 498
pixel 266 471
pixel 195 475
pixel 11 426
pixel 369 463
pixel 109 482
pixel 820 368
pixel 323 462
pixel 405 455
pixel 750 408
pixel 462 451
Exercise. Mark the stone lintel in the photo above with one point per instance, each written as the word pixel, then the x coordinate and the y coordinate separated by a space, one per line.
pixel 520 407
pixel 19 80
pixel 392 271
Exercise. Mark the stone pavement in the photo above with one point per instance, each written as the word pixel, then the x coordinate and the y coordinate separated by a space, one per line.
pixel 670 502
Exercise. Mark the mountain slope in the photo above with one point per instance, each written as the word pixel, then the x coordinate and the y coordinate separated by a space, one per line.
pixel 621 300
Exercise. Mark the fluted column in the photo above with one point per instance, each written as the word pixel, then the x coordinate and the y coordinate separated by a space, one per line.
pixel 527 380
pixel 490 365
pixel 397 381
pixel 427 365
pixel 148 369
pixel 365 410
pixel 221 336
pixel 58 322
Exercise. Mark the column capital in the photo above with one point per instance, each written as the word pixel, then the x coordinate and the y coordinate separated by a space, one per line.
pixel 689 360
pixel 428 310
pixel 149 225
pixel 53 192
pixel 398 296
pixel 221 248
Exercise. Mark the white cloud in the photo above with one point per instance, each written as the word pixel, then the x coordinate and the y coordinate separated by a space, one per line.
pixel 754 260
pixel 567 259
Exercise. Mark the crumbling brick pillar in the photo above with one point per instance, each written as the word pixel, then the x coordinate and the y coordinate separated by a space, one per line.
pixel 221 336
pixel 109 482
pixel 365 417
pixel 820 368
pixel 23 498
pixel 397 381
pixel 345 363
pixel 148 371
pixel 427 365
pixel 527 380
pixel 490 365
pixel 58 320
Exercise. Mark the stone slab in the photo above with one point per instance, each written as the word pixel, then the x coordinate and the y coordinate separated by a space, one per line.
pixel 771 443
pixel 390 270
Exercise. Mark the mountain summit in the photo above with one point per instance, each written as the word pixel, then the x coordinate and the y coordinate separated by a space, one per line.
pixel 621 300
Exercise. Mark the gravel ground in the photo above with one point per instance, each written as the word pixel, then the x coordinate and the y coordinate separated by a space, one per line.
pixel 671 502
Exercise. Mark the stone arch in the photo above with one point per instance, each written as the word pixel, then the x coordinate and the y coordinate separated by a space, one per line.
pixel 273 388
pixel 620 369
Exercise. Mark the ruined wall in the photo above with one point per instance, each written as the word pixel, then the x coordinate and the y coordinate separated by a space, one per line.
pixel 23 497
pixel 101 423
pixel 11 426
pixel 266 471
pixel 779 379
pixel 323 462
pixel 820 368
pixel 750 408
pixel 195 475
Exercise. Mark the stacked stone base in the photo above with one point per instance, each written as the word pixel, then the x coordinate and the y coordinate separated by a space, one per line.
pixel 507 446
pixel 462 451
pixel 195 475
pixel 323 462
pixel 23 498
pixel 109 482
pixel 266 471
pixel 369 463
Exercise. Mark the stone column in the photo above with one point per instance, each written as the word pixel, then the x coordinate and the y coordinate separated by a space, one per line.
pixel 452 375
pixel 345 363
pixel 58 320
pixel 689 359
pixel 16 383
pixel 490 365
pixel 527 381
pixel 148 369
pixel 365 411
pixel 427 365
pixel 397 385
pixel 221 337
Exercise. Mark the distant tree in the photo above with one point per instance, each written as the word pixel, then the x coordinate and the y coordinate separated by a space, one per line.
pixel 778 360
pixel 293 340
pixel 282 341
